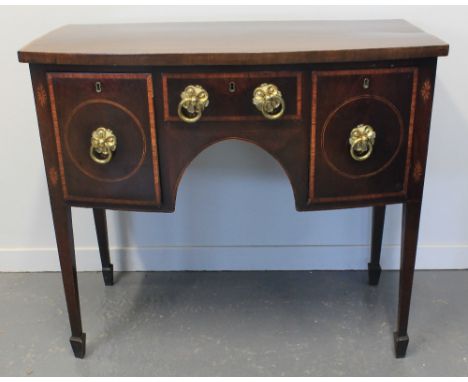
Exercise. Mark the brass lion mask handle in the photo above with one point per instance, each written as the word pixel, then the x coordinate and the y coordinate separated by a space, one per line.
pixel 361 139
pixel 268 99
pixel 103 144
pixel 194 99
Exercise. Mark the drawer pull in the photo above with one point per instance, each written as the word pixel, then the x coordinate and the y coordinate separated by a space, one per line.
pixel 268 99
pixel 103 144
pixel 194 99
pixel 361 139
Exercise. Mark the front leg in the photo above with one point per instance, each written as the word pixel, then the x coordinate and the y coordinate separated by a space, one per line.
pixel 409 236
pixel 61 214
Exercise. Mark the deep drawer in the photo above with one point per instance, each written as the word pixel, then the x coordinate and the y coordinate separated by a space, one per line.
pixel 106 137
pixel 361 134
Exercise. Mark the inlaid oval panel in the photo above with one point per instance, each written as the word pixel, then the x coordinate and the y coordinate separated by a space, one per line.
pixel 374 111
pixel 131 141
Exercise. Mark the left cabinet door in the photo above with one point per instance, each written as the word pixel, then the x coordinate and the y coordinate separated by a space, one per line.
pixel 104 126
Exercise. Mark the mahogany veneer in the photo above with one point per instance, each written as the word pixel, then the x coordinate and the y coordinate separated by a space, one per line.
pixel 346 113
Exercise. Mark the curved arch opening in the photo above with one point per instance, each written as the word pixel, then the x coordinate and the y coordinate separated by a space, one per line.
pixel 236 162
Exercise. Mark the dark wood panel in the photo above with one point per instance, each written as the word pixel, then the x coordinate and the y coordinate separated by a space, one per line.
pixel 233 43
pixel 288 141
pixel 125 105
pixel 340 102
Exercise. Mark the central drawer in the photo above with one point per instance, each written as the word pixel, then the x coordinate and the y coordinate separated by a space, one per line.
pixel 230 96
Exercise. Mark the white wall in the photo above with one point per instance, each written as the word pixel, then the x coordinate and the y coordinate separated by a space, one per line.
pixel 235 206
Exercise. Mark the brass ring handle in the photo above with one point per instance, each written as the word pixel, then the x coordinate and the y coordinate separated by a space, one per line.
pixel 268 99
pixel 194 99
pixel 266 110
pixel 361 139
pixel 103 144
pixel 184 105
pixel 361 142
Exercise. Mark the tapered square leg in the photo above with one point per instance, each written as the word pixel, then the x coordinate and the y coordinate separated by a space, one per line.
pixel 374 269
pixel 410 228
pixel 100 222
pixel 61 214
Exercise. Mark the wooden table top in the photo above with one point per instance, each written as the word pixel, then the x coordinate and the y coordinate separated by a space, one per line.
pixel 233 43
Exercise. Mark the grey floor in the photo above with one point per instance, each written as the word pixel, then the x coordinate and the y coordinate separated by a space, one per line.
pixel 234 324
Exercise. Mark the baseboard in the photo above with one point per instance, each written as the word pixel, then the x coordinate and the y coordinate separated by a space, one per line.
pixel 234 258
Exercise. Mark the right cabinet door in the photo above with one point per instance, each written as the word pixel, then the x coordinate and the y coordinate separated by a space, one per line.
pixel 361 134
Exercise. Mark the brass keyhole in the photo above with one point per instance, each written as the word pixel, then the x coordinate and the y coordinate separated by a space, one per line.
pixel 366 83
pixel 232 87
pixel 98 87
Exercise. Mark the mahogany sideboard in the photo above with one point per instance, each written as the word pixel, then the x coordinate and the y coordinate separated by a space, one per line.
pixel 343 106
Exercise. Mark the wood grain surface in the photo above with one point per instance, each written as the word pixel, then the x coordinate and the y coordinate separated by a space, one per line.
pixel 233 43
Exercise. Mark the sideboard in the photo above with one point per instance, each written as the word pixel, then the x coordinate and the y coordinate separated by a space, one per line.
pixel 343 106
